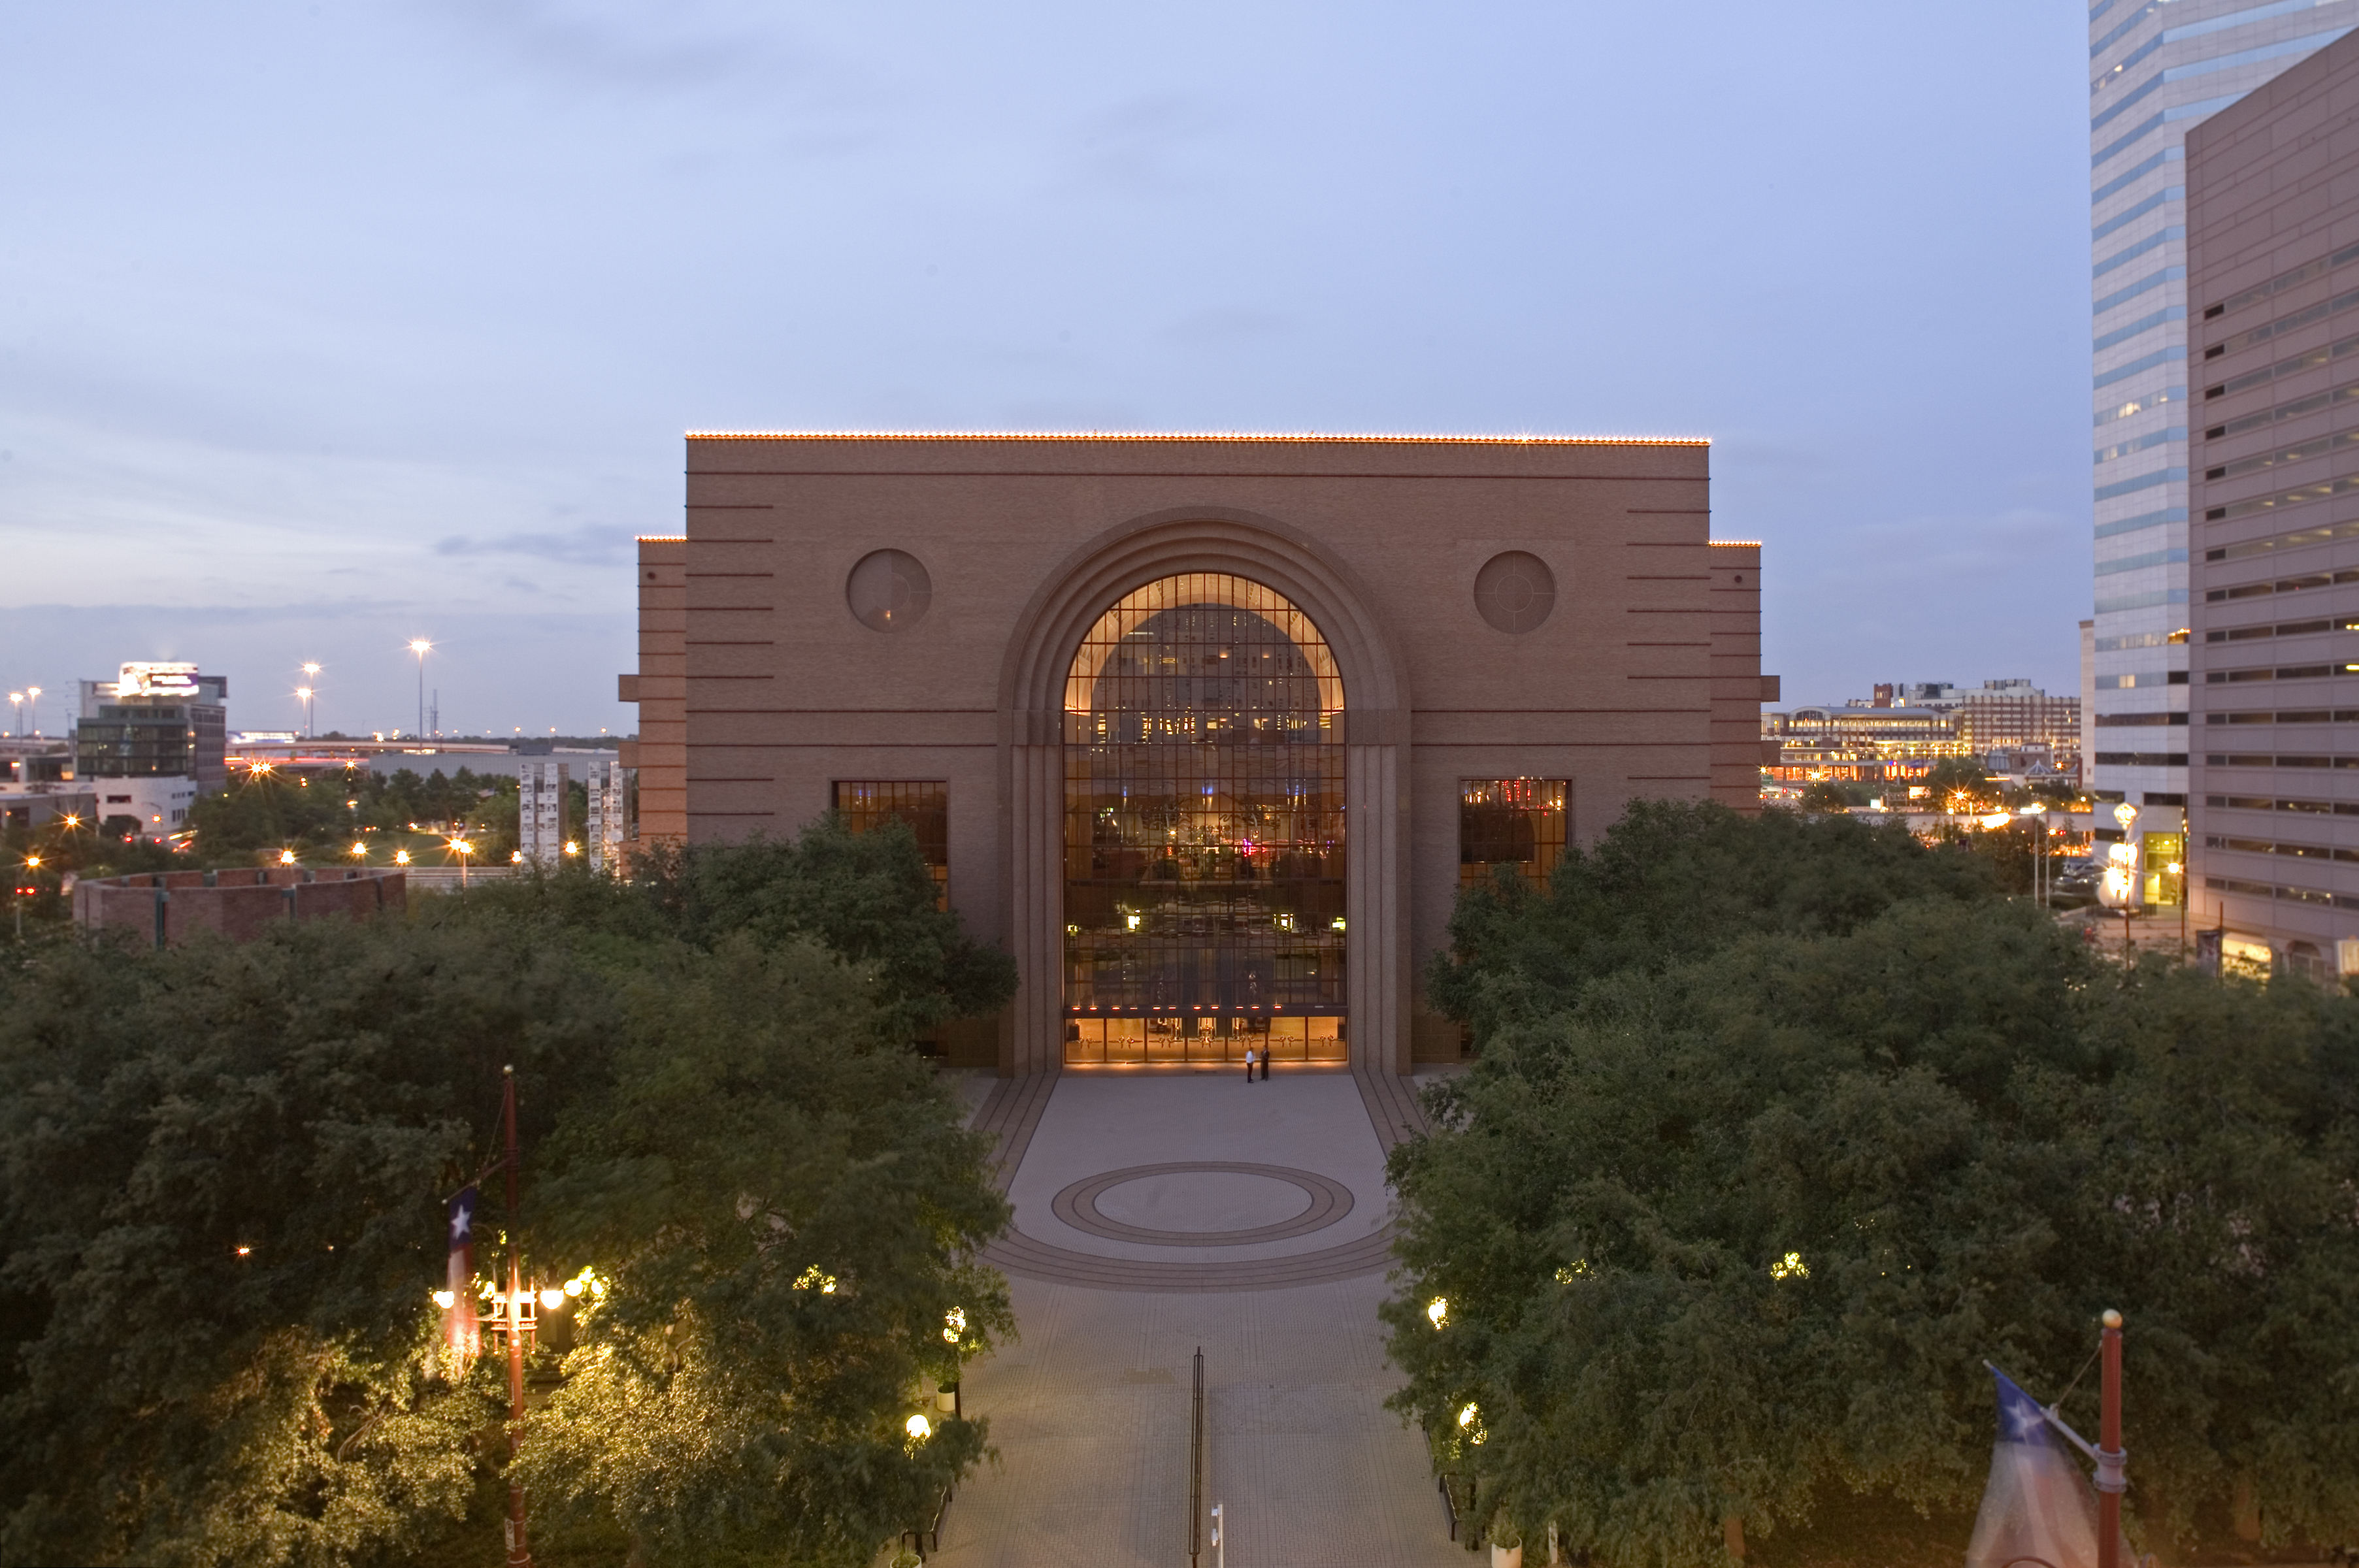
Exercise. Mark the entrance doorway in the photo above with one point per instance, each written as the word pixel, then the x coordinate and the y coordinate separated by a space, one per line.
pixel 1203 830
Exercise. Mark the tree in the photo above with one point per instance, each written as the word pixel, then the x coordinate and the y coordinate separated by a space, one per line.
pixel 1714 1234
pixel 1675 880
pixel 1826 795
pixel 866 896
pixel 224 1173
pixel 787 1214
pixel 1955 778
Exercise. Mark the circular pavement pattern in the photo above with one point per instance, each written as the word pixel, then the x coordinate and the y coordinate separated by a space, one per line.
pixel 1077 1206
pixel 1330 1201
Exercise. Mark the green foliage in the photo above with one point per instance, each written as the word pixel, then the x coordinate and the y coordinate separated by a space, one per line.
pixel 318 813
pixel 867 897
pixel 1674 881
pixel 309 1097
pixel 1953 776
pixel 787 1225
pixel 1725 1222
pixel 1830 794
pixel 694 1098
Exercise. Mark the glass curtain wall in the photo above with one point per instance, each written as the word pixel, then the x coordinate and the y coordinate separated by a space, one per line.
pixel 1203 830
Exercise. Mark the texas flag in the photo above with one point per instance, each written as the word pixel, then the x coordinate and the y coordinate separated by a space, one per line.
pixel 2037 1507
pixel 460 1327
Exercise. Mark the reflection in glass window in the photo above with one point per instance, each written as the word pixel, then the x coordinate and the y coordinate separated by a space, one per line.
pixel 1519 824
pixel 925 804
pixel 1204 829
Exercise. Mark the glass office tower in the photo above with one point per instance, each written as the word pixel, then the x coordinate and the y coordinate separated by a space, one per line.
pixel 2157 67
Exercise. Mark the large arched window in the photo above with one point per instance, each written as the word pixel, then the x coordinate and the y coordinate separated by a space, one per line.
pixel 1204 829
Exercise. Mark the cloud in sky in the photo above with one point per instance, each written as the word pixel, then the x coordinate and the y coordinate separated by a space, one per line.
pixel 411 303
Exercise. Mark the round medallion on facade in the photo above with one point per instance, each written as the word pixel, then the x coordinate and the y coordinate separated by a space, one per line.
pixel 1514 591
pixel 888 590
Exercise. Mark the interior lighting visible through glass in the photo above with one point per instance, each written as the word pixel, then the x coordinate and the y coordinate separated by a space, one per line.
pixel 1203 839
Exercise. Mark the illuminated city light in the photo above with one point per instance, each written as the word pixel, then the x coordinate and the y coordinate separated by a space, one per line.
pixel 1436 1311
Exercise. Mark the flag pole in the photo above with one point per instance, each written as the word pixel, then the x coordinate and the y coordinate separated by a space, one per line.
pixel 2109 1455
pixel 519 1552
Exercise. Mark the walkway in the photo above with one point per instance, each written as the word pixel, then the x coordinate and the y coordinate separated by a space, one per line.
pixel 1155 1214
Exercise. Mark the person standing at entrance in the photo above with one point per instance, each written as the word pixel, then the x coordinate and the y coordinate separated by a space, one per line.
pixel 1249 1064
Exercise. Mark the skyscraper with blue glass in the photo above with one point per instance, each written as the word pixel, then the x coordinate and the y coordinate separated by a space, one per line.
pixel 2155 68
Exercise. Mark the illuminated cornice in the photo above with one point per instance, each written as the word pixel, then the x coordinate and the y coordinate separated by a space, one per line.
pixel 1300 437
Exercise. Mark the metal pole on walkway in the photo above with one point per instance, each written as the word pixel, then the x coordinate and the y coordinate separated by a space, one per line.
pixel 2109 1455
pixel 1196 1466
pixel 519 1551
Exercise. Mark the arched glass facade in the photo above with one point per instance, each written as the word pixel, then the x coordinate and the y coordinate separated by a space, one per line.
pixel 1204 829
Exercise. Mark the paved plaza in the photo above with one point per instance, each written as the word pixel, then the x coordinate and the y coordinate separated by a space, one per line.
pixel 1156 1214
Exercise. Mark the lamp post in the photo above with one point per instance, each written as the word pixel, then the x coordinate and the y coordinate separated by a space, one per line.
pixel 465 848
pixel 24 890
pixel 519 1551
pixel 421 647
pixel 304 692
pixel 310 711
pixel 16 712
pixel 33 707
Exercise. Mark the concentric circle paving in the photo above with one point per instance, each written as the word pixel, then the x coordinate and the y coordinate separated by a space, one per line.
pixel 1077 1206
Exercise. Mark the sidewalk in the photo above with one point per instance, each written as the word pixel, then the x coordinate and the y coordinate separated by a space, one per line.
pixel 1090 1410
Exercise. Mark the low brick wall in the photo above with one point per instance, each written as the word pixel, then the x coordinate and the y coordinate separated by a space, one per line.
pixel 168 907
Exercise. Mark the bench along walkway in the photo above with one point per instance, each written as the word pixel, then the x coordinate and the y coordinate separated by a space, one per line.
pixel 1155 1214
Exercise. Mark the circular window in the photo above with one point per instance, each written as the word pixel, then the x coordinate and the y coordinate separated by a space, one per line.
pixel 888 590
pixel 1514 591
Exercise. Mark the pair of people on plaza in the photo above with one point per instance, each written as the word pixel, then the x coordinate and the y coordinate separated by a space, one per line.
pixel 1251 1057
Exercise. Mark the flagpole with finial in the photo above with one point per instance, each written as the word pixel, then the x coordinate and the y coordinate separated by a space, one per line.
pixel 2109 1455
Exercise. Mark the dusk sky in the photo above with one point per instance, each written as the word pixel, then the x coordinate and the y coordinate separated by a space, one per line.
pixel 326 326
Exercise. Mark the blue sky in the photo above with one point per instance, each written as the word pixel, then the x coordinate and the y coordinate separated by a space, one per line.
pixel 327 325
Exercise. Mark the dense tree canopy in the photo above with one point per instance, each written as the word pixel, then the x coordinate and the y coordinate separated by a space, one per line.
pixel 1730 1213
pixel 223 1173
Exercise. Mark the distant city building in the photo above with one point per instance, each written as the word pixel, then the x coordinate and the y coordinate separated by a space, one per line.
pixel 2156 72
pixel 32 761
pixel 609 827
pixel 541 790
pixel 2273 286
pixel 1902 730
pixel 150 741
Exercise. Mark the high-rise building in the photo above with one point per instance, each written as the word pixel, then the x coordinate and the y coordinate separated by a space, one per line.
pixel 541 791
pixel 2273 295
pixel 150 741
pixel 608 824
pixel 2156 69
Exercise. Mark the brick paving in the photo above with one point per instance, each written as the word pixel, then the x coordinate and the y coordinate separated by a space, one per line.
pixel 1089 1409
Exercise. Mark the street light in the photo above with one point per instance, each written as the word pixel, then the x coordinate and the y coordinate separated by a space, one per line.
pixel 421 647
pixel 24 892
pixel 17 719
pixel 464 848
pixel 33 707
pixel 310 711
pixel 304 693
